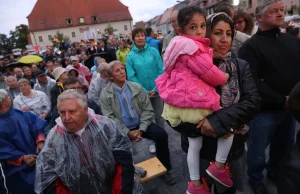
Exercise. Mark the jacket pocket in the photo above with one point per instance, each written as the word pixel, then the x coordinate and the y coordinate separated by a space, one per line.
pixel 199 91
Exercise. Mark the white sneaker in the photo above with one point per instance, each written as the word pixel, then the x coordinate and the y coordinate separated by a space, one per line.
pixel 152 149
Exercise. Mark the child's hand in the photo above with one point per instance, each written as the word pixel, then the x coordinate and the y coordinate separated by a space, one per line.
pixel 226 76
pixel 227 135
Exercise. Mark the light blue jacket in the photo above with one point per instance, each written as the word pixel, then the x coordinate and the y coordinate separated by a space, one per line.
pixel 153 42
pixel 143 66
pixel 95 67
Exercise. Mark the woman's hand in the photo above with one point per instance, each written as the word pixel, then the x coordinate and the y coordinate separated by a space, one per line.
pixel 151 94
pixel 206 128
pixel 43 116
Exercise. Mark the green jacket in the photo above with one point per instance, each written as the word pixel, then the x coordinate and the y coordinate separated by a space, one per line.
pixel 110 106
pixel 122 54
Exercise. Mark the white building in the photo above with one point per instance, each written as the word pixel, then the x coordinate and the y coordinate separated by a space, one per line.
pixel 77 19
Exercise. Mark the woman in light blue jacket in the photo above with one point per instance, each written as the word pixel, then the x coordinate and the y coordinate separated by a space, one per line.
pixel 143 66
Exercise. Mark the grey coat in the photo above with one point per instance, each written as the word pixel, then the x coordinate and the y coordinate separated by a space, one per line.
pixel 95 89
pixel 110 106
pixel 46 88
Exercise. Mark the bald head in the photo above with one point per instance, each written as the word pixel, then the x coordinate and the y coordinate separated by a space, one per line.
pixel 173 19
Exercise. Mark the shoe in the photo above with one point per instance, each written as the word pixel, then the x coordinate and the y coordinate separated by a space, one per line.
pixel 222 176
pixel 152 149
pixel 168 178
pixel 259 188
pixel 203 189
pixel 140 171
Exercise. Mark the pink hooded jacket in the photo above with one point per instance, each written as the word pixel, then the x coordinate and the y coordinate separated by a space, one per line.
pixel 190 76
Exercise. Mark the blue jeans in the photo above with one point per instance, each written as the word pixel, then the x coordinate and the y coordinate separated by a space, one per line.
pixel 276 128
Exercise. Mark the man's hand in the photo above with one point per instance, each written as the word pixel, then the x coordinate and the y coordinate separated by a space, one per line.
pixel 29 159
pixel 39 146
pixel 43 116
pixel 135 135
pixel 206 128
pixel 26 109
pixel 151 94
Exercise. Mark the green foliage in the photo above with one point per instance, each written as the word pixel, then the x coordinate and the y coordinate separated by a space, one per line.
pixel 61 37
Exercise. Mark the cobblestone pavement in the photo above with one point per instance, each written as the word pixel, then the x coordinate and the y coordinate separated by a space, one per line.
pixel 179 171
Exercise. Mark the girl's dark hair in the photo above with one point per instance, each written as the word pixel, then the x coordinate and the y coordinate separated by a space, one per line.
pixel 186 14
pixel 225 7
pixel 294 31
pixel 136 31
pixel 222 17
pixel 248 20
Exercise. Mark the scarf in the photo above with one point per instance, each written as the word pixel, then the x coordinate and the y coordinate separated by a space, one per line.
pixel 126 100
pixel 230 91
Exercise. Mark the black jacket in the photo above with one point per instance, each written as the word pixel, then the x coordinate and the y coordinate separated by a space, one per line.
pixel 3 188
pixel 289 172
pixel 55 92
pixel 232 117
pixel 274 59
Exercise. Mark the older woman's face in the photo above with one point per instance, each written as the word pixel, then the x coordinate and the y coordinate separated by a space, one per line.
pixel 240 24
pixel 140 39
pixel 221 37
pixel 24 87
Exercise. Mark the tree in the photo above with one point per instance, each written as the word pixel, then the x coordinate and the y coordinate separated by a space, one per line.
pixel 6 44
pixel 110 29
pixel 61 37
pixel 19 36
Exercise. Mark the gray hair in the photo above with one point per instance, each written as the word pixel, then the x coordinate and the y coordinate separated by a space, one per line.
pixel 23 80
pixel 3 94
pixel 110 66
pixel 11 77
pixel 102 67
pixel 73 94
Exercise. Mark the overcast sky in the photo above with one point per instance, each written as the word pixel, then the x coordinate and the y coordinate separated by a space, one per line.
pixel 14 12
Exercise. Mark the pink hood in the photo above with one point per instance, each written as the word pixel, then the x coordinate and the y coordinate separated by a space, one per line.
pixel 184 45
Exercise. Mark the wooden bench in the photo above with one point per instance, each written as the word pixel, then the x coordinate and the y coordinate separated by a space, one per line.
pixel 153 167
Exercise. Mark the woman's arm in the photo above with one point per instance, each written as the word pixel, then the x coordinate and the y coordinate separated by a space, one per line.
pixel 236 115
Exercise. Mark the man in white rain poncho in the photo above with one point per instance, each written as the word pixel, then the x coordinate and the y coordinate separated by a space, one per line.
pixel 84 153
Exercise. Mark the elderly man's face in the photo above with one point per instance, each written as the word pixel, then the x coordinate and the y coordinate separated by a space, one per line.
pixel 12 82
pixel 274 15
pixel 18 72
pixel 6 102
pixel 27 72
pixel 73 116
pixel 43 79
pixel 118 73
pixel 75 63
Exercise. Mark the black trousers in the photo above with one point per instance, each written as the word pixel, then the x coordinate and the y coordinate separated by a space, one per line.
pixel 160 137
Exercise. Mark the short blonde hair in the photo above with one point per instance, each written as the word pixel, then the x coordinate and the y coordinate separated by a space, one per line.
pixel 101 60
pixel 23 81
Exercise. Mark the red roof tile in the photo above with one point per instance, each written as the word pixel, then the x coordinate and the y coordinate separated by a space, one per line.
pixel 52 14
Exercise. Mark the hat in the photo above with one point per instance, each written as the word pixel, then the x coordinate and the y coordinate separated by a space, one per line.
pixel 39 73
pixel 263 3
pixel 57 72
pixel 74 58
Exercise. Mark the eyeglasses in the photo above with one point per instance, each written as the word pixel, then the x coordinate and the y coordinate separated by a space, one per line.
pixel 239 22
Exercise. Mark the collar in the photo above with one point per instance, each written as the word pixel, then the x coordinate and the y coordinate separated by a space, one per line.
pixel 272 32
pixel 136 49
pixel 204 41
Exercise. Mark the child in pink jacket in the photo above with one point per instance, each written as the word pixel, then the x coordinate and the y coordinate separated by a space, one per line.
pixel 188 89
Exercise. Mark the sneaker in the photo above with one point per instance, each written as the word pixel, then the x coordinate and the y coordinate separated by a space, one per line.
pixel 168 178
pixel 140 171
pixel 222 176
pixel 152 149
pixel 203 189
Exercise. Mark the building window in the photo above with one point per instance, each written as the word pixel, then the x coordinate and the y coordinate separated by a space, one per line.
pixel 81 20
pixel 249 3
pixel 73 34
pixel 125 27
pixel 40 38
pixel 94 18
pixel 50 37
pixel 69 21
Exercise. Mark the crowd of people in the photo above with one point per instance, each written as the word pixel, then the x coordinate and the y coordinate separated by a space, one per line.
pixel 219 80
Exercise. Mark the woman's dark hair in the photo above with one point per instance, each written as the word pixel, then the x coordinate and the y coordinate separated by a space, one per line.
pixel 186 14
pixel 294 31
pixel 212 22
pixel 225 7
pixel 248 20
pixel 136 31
